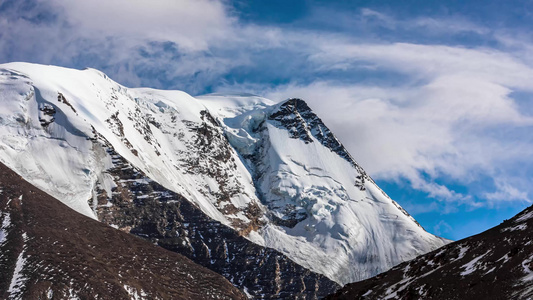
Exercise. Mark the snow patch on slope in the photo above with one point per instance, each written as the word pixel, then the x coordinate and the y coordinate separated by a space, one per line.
pixel 6 222
pixel 18 280
pixel 473 265
pixel 134 295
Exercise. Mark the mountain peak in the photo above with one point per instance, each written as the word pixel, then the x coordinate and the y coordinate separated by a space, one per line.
pixel 297 103
pixel 299 119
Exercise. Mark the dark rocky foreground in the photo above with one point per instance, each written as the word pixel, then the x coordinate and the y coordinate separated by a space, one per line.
pixel 48 251
pixel 495 264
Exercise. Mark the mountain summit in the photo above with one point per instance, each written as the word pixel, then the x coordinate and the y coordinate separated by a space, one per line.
pixel 207 177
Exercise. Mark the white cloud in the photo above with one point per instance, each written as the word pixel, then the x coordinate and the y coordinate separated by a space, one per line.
pixel 385 20
pixel 506 192
pixel 455 25
pixel 425 62
pixel 442 228
pixel 135 42
pixel 191 24
pixel 438 121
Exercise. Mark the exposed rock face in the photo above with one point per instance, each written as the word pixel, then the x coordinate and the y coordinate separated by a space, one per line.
pixel 495 264
pixel 301 122
pixel 144 208
pixel 48 251
pixel 47 114
pixel 210 155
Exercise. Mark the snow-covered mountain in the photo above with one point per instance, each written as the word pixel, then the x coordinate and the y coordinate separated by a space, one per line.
pixel 79 164
pixel 273 172
pixel 495 264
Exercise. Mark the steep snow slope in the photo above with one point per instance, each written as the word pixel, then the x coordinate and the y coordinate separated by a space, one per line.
pixel 495 264
pixel 325 212
pixel 273 172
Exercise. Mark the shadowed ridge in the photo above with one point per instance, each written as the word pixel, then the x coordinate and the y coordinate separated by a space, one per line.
pixel 48 250
pixel 495 264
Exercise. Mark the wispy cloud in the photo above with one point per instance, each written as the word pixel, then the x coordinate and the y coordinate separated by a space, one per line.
pixel 506 192
pixel 370 15
pixel 190 24
pixel 432 25
pixel 442 228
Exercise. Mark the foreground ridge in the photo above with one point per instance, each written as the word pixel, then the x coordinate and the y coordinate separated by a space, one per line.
pixel 495 264
pixel 49 251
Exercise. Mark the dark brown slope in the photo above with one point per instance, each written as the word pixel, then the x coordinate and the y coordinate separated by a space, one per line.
pixel 495 264
pixel 49 251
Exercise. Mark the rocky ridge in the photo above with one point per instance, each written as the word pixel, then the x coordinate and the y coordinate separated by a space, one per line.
pixel 495 264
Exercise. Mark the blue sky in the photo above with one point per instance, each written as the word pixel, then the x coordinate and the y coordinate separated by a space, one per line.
pixel 433 98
